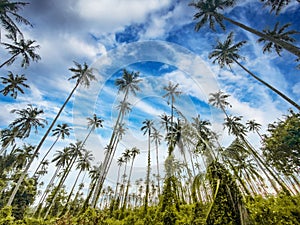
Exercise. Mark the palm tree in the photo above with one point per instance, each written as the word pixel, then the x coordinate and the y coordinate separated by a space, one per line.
pixel 234 125
pixel 26 48
pixel 172 92
pixel 120 162
pixel 128 83
pixel 209 12
pixel 76 150
pixel 147 128
pixel 219 100
pixel 84 75
pixel 61 159
pixel 61 131
pixel 93 123
pixel 276 5
pixel 23 155
pixel 226 53
pixel 28 119
pixel 253 126
pixel 8 137
pixel 157 137
pixel 83 164
pixel 278 33
pixel 14 84
pixel 9 13
pixel 134 152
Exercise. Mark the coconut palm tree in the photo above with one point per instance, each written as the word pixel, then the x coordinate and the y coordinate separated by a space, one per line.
pixel 157 137
pixel 83 164
pixel 61 159
pixel 127 84
pixel 147 128
pixel 84 75
pixel 278 33
pixel 219 100
pixel 61 131
pixel 253 126
pixel 25 48
pixel 28 119
pixel 93 123
pixel 14 84
pixel 226 53
pixel 8 137
pixel 76 150
pixel 172 92
pixel 120 162
pixel 276 5
pixel 23 155
pixel 209 12
pixel 126 155
pixel 9 14
pixel 134 152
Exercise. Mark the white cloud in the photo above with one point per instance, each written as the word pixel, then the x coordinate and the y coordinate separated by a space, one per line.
pixel 111 15
pixel 296 88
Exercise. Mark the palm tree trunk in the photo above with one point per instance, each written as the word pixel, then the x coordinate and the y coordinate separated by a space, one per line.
pixel 127 187
pixel 46 191
pixel 11 58
pixel 70 194
pixel 287 46
pixel 157 167
pixel 107 159
pixel 43 159
pixel 269 86
pixel 148 176
pixel 11 198
pixel 62 180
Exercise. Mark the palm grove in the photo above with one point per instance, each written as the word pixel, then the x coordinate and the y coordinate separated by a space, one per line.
pixel 213 184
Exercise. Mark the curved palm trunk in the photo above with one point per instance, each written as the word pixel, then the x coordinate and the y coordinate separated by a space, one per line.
pixel 43 159
pixel 11 198
pixel 287 46
pixel 11 58
pixel 269 86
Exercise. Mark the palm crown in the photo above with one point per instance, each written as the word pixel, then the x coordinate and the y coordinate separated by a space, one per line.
pixel 14 84
pixel 226 53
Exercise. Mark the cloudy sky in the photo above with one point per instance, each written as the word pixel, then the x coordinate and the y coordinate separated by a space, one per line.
pixel 156 38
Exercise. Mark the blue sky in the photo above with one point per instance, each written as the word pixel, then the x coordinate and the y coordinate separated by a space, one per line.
pixel 90 30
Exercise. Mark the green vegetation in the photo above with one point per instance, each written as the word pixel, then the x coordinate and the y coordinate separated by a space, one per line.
pixel 237 184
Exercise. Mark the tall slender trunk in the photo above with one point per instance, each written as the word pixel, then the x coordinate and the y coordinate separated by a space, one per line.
pixel 269 86
pixel 11 58
pixel 127 187
pixel 262 165
pixel 11 198
pixel 110 154
pixel 43 197
pixel 148 176
pixel 43 159
pixel 62 180
pixel 287 46
pixel 157 167
pixel 70 194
